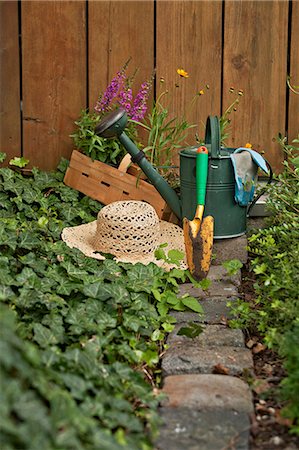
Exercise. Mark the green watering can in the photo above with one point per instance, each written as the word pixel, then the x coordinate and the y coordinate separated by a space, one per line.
pixel 229 216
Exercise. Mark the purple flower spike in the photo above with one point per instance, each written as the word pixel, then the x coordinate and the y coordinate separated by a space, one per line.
pixel 125 99
pixel 111 92
pixel 139 105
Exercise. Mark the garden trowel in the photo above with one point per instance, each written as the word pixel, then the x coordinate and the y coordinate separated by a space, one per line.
pixel 198 233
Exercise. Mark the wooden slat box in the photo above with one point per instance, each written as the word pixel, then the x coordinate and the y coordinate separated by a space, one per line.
pixel 108 184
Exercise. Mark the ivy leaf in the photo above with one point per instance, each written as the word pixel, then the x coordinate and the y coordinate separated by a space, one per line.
pixel 31 195
pixel 28 240
pixel 2 157
pixel 98 290
pixel 6 293
pixel 44 336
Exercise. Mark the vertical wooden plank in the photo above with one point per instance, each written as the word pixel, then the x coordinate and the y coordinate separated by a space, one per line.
pixel 293 125
pixel 119 30
pixel 54 77
pixel 255 60
pixel 10 123
pixel 189 36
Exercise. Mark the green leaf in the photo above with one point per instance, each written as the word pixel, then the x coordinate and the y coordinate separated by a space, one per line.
pixel 28 240
pixel 193 330
pixel 98 290
pixel 157 335
pixel 193 304
pixel 6 293
pixel 232 266
pixel 2 157
pixel 175 256
pixel 44 336
pixel 19 162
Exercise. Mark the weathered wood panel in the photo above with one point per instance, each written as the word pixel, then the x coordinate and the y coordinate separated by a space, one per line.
pixel 118 31
pixel 189 36
pixel 255 60
pixel 293 125
pixel 54 77
pixel 65 66
pixel 10 122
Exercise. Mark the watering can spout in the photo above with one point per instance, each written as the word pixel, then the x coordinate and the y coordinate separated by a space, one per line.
pixel 113 125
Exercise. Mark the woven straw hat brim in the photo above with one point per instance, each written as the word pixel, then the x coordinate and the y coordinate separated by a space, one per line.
pixel 82 238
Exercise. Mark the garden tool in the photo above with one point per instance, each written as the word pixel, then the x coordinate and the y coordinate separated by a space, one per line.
pixel 198 233
pixel 229 216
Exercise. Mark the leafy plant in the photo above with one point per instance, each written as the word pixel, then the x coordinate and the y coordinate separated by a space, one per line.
pixel 275 262
pixel 232 266
pixel 165 134
pixel 19 162
pixel 109 151
pixel 117 94
pixel 80 338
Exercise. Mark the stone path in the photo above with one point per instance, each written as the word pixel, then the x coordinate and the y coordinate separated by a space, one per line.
pixel 207 407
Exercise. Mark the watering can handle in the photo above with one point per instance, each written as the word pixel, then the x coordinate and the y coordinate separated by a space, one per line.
pixel 212 136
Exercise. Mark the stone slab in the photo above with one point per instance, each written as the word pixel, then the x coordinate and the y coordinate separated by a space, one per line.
pixel 187 429
pixel 218 273
pixel 232 248
pixel 207 392
pixel 223 288
pixel 183 359
pixel 211 336
pixel 215 311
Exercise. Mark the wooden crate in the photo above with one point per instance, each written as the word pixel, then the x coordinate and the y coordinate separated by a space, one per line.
pixel 108 184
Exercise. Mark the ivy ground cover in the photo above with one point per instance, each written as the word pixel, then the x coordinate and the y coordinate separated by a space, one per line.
pixel 80 338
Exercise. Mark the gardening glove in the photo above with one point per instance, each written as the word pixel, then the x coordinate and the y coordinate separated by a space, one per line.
pixel 246 163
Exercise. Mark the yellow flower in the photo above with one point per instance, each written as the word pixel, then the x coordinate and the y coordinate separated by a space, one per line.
pixel 248 145
pixel 201 92
pixel 182 73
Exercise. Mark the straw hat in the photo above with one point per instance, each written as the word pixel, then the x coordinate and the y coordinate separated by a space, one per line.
pixel 129 230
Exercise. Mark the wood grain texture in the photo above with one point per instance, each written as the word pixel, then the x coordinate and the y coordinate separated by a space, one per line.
pixel 189 37
pixel 54 77
pixel 10 122
pixel 107 184
pixel 119 30
pixel 255 60
pixel 293 125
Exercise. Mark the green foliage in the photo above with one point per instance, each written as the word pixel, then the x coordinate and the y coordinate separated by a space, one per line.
pixel 165 134
pixel 109 151
pixel 275 261
pixel 192 330
pixel 2 157
pixel 19 162
pixel 80 338
pixel 232 266
pixel 289 349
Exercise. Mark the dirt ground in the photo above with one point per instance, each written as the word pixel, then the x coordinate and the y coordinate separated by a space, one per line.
pixel 269 429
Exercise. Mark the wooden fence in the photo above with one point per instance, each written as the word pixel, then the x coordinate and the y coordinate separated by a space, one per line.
pixel 57 56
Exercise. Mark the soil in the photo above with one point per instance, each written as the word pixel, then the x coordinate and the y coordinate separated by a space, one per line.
pixel 269 429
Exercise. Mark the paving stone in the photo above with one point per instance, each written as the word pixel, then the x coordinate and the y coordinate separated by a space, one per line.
pixel 207 392
pixel 211 336
pixel 188 429
pixel 217 273
pixel 215 310
pixel 233 248
pixel 183 359
pixel 223 288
